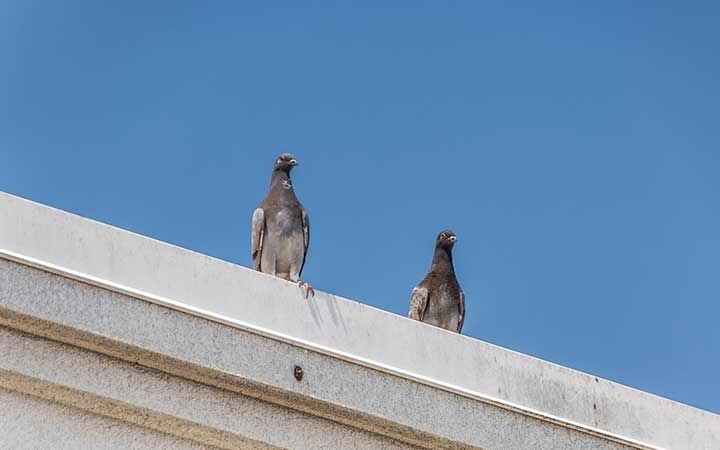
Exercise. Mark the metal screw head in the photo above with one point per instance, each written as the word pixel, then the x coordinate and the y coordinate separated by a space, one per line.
pixel 298 373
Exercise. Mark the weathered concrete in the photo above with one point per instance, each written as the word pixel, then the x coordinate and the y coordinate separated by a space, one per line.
pixel 99 305
pixel 29 423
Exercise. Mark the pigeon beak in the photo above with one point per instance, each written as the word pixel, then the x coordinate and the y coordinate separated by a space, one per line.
pixel 293 162
pixel 453 239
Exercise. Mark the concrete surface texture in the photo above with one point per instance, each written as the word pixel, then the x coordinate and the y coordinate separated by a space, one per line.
pixel 141 334
pixel 29 423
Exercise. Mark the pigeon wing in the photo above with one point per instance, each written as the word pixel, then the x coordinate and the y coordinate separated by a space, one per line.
pixel 306 236
pixel 258 232
pixel 461 306
pixel 418 303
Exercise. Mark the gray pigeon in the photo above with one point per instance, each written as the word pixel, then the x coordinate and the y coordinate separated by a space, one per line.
pixel 280 228
pixel 438 299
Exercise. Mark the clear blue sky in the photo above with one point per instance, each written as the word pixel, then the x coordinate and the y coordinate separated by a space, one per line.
pixel 574 150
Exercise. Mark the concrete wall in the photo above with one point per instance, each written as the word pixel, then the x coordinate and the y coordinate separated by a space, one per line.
pixel 129 329
pixel 28 422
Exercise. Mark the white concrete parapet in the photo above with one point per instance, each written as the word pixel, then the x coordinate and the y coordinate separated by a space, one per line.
pixel 114 335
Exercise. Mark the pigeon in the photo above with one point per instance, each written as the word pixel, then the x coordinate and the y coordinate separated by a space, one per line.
pixel 280 228
pixel 438 299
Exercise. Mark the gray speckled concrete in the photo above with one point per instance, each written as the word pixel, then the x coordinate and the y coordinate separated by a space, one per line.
pixel 28 423
pixel 228 357
pixel 151 399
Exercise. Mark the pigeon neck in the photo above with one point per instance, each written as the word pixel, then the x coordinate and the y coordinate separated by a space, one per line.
pixel 442 260
pixel 281 181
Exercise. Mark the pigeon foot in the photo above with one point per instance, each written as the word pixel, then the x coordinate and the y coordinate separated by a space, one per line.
pixel 307 289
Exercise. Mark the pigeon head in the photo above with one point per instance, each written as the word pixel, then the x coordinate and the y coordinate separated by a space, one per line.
pixel 285 162
pixel 446 239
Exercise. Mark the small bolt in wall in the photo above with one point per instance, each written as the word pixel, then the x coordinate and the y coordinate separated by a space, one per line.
pixel 298 373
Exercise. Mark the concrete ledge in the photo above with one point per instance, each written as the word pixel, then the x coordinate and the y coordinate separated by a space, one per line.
pixel 21 416
pixel 173 405
pixel 134 299
pixel 236 361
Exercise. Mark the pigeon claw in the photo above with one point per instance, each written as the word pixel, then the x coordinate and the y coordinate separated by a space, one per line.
pixel 307 289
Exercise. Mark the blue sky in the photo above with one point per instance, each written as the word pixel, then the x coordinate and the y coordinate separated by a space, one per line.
pixel 575 152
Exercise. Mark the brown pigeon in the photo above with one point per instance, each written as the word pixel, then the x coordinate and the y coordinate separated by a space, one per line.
pixel 438 299
pixel 280 228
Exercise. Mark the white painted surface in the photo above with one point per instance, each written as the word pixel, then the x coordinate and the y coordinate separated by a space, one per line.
pixel 213 288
